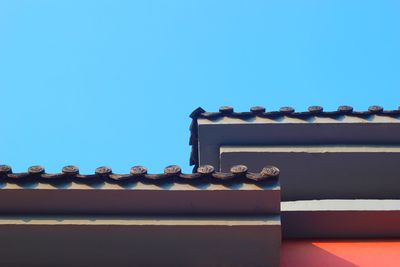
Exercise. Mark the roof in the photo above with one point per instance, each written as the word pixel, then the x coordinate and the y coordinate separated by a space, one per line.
pixel 137 173
pixel 314 115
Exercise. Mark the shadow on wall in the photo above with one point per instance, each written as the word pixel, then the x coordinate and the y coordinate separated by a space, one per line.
pixel 340 253
pixel 305 253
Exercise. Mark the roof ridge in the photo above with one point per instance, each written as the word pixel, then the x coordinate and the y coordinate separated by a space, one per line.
pixel 137 173
pixel 228 111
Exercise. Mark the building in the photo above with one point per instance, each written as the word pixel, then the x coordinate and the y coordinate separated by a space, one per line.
pixel 261 180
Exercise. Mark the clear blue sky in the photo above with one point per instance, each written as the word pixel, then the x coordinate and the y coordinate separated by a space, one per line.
pixel 112 83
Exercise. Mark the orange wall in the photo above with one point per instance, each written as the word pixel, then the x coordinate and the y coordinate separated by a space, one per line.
pixel 341 253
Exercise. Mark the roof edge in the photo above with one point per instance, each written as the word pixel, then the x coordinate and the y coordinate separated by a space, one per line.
pixel 258 111
pixel 137 173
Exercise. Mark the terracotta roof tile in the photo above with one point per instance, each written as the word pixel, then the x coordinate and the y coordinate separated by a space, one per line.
pixel 137 173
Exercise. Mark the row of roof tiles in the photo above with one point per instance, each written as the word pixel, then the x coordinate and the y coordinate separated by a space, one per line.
pixel 289 111
pixel 137 173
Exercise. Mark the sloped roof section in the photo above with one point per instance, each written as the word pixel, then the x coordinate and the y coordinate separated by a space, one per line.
pixel 314 114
